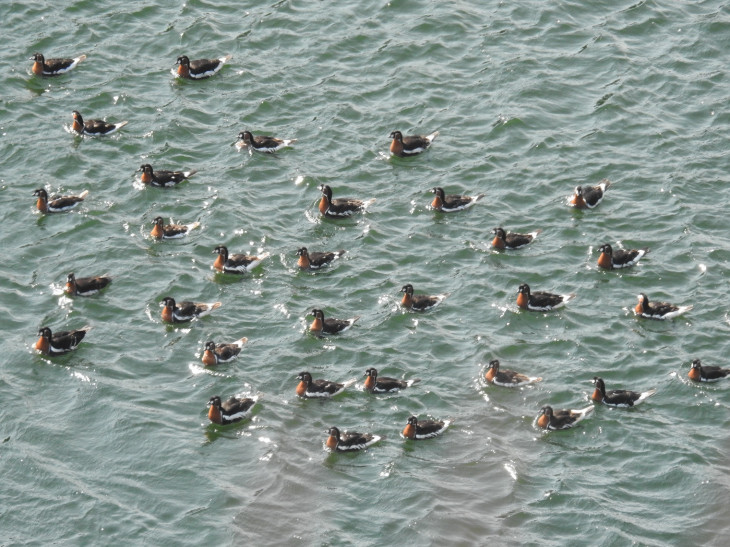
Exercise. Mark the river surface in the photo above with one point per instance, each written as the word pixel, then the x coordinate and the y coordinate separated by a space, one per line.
pixel 111 445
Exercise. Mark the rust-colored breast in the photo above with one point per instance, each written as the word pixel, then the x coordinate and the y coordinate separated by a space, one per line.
pixel 323 205
pixel 694 374
pixel 167 314
pixel 332 442
pixel 489 376
pixel 77 126
pixel 43 345
pixel 157 232
pixel 578 202
pixel 406 301
pixel 522 300
pixel 37 68
pixel 316 324
pixel 604 261
pixel 214 415
pixel 209 358
pixel 543 421
pixel 639 309
pixel 70 289
pixel 218 264
pixel 409 432
pixel 369 383
pixel 597 395
pixel 437 203
pixel 303 262
pixel 42 205
pixel 396 148
pixel 183 71
pixel 302 389
pixel 146 178
pixel 498 243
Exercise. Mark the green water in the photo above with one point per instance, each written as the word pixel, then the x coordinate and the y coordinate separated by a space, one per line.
pixel 111 444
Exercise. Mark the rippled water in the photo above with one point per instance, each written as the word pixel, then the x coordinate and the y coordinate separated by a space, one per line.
pixel 111 443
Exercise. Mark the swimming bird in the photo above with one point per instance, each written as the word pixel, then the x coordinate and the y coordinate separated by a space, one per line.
pixel 53 67
pixel 236 263
pixel 162 178
pixel 94 128
pixel 610 259
pixel 315 260
pixel 182 312
pixel 561 418
pixel 57 204
pixel 60 342
pixel 587 197
pixel 383 384
pixel 410 145
pixel 706 373
pixel 452 202
pixel 320 325
pixel 261 143
pixel 319 388
pixel 341 207
pixel 512 240
pixel 233 410
pixel 424 429
pixel 348 441
pixel 507 378
pixel 85 286
pixel 199 68
pixel 222 353
pixel 658 310
pixel 540 301
pixel 618 397
pixel 419 302
pixel 171 231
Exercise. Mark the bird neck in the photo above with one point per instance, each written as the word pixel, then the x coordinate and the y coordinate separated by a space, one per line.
pixel 324 204
pixel 604 261
pixel 214 415
pixel 43 345
pixel 316 324
pixel 167 314
pixel 332 442
pixel 369 383
pixel 209 359
pixel 302 388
